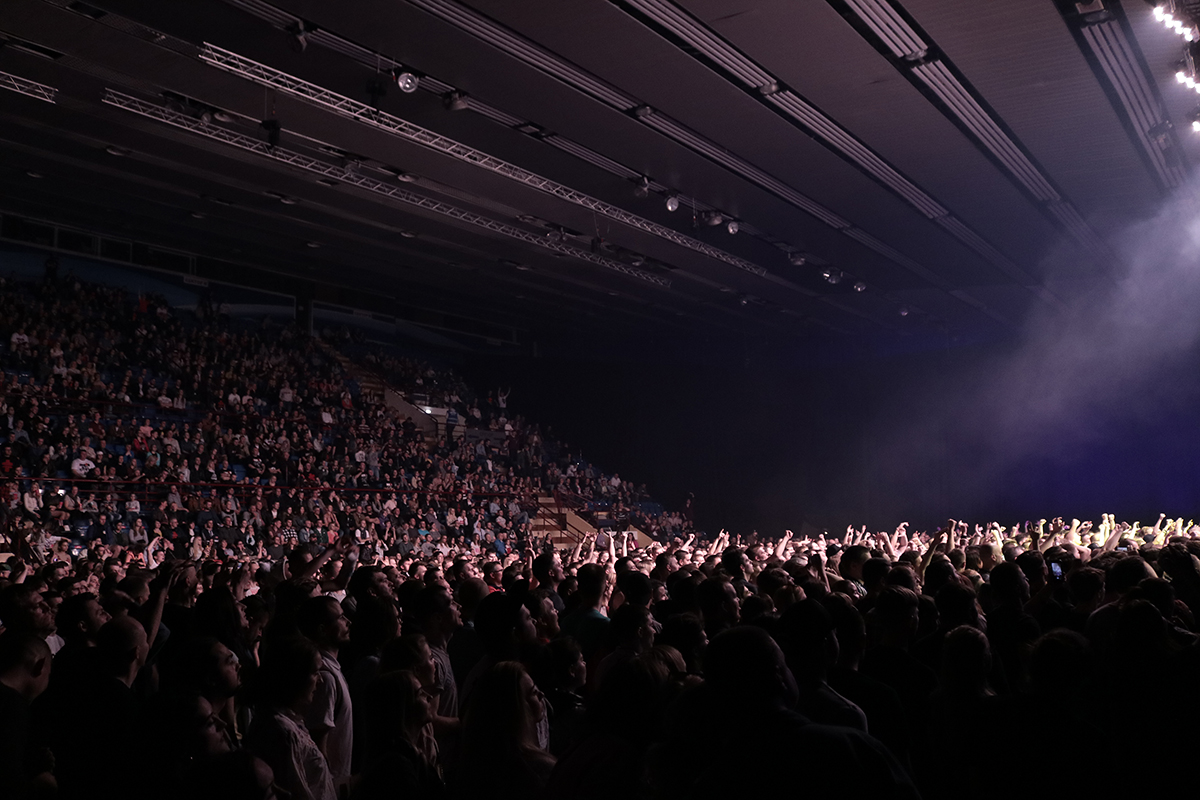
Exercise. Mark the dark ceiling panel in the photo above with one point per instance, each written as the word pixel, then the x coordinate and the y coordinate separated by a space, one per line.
pixel 1022 58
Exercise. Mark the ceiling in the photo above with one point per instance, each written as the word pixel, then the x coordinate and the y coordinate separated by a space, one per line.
pixel 951 166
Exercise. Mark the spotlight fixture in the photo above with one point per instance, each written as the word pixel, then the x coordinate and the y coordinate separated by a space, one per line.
pixel 455 101
pixel 555 234
pixel 273 129
pixel 221 116
pixel 796 259
pixel 299 33
pixel 673 203
pixel 405 80
pixel 288 201
pixel 524 268
pixel 859 286
pixel 713 218
pixel 407 234
pixel 904 311
pixel 835 277
pixel 643 188
pixel 637 260
pixel 113 150
pixel 376 91
pixel 313 245
pixel 197 215
pixel 732 227
pixel 206 116
pixel 34 175
pixel 406 177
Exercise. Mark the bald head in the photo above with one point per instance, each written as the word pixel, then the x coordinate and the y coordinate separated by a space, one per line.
pixel 24 663
pixel 123 647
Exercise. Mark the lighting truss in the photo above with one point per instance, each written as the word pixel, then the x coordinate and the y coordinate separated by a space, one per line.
pixel 377 61
pixel 38 91
pixel 327 170
pixel 364 113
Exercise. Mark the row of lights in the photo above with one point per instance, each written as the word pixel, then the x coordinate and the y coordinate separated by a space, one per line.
pixel 714 218
pixel 1187 30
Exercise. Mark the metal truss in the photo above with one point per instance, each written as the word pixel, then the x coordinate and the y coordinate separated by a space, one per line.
pixel 38 91
pixel 366 114
pixel 342 175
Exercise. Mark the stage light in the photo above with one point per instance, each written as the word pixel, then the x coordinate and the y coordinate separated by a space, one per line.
pixel 34 175
pixel 313 245
pixel 904 311
pixel 643 188
pixel 1158 13
pixel 860 286
pixel 1181 76
pixel 835 277
pixel 796 259
pixel 405 80
pixel 455 101
pixel 713 218
pixel 274 129
pixel 197 215
pixel 672 203
pixel 732 227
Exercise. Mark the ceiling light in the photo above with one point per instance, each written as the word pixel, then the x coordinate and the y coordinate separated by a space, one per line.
pixel 455 101
pixel 904 311
pixel 859 286
pixel 113 150
pixel 834 277
pixel 405 80
pixel 197 215
pixel 313 245
pixel 637 260
pixel 643 188
pixel 33 174
pixel 796 259
pixel 672 203
pixel 288 201
pixel 524 268
pixel 1181 76
pixel 555 235
pixel 221 116
pixel 406 234
pixel 407 177
pixel 732 227
pixel 1196 125
pixel 714 218
pixel 1158 13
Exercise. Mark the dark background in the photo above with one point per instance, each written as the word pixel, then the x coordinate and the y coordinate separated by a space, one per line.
pixel 876 441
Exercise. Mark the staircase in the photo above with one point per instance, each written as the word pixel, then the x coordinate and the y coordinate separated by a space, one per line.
pixel 564 527
pixel 373 389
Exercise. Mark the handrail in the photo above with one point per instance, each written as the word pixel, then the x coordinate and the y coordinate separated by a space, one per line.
pixel 249 490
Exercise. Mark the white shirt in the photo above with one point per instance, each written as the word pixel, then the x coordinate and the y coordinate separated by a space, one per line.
pixel 331 708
